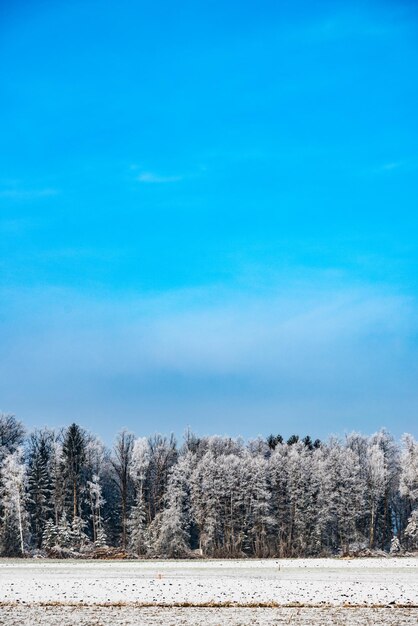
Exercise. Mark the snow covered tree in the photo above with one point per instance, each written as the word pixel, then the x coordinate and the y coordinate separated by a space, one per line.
pixel 63 532
pixel 137 529
pixel 96 502
pixel 11 434
pixel 137 526
pixel 58 479
pixel 40 504
pixel 78 537
pixel 163 455
pixel 229 498
pixel 121 462
pixel 14 532
pixel 97 466
pixel 172 535
pixel 395 546
pixel 341 497
pixel 411 530
pixel 408 488
pixel 409 469
pixel 258 521
pixel 376 484
pixel 74 460
pixel 49 535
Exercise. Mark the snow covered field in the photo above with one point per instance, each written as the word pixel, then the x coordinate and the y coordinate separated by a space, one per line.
pixel 129 616
pixel 30 589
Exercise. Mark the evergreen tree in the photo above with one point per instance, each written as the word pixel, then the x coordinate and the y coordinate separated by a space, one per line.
pixel 40 505
pixel 63 532
pixel 49 535
pixel 74 460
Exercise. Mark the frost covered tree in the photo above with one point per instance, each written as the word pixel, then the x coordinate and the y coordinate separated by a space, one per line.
pixel 341 497
pixel 96 468
pixel 409 488
pixel 409 469
pixel 40 485
pixel 395 546
pixel 96 502
pixel 58 480
pixel 49 535
pixel 376 484
pixel 14 532
pixel 63 532
pixel 74 463
pixel 258 522
pixel 219 496
pixel 205 495
pixel 78 536
pixel 11 434
pixel 137 528
pixel 411 530
pixel 172 534
pixel 163 455
pixel 121 462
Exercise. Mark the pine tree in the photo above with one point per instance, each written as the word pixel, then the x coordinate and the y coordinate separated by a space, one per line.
pixel 40 506
pixel 137 529
pixel 395 546
pixel 78 537
pixel 411 530
pixel 74 458
pixel 63 532
pixel 49 535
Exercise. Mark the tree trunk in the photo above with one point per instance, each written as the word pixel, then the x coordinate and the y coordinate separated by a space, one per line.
pixel 20 523
pixel 74 498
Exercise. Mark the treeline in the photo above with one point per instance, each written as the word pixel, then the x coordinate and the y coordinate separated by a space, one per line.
pixel 64 493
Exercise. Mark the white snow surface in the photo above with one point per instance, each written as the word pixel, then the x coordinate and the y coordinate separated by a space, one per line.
pixel 308 582
pixel 94 615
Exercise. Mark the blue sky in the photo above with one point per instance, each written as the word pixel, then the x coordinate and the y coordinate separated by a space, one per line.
pixel 208 215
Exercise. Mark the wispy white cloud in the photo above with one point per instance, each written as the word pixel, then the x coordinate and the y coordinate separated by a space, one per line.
pixel 387 167
pixel 152 177
pixel 407 165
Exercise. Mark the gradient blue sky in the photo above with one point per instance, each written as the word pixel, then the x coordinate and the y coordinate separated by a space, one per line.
pixel 208 215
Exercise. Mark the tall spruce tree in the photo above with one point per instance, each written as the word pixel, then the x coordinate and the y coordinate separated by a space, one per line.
pixel 40 505
pixel 74 459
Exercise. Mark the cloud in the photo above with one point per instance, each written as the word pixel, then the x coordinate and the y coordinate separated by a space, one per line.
pixel 150 177
pixel 407 165
pixel 391 166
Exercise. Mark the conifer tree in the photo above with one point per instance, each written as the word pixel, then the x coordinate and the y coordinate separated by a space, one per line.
pixel 74 459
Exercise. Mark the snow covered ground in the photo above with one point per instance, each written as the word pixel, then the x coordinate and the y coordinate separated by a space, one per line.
pixel 317 585
pixel 129 616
